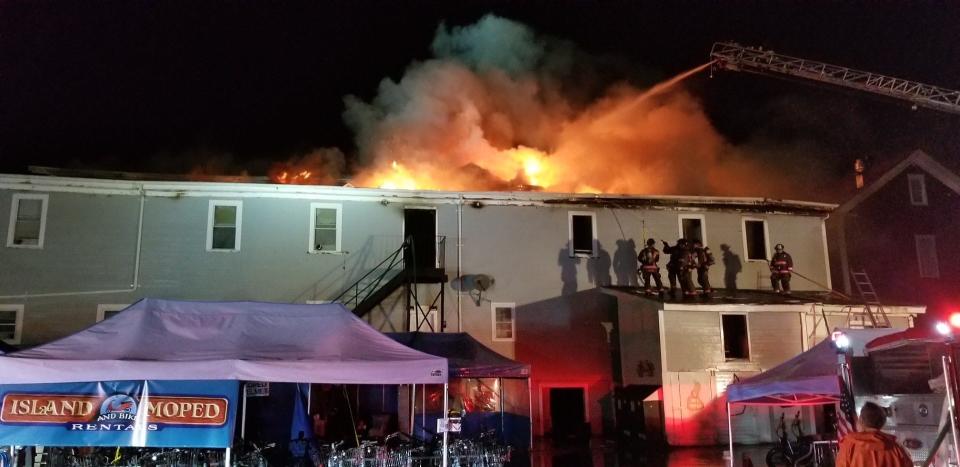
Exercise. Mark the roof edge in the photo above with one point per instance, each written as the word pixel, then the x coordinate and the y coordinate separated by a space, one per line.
pixel 207 188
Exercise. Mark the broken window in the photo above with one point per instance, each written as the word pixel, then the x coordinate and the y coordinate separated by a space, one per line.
pixel 755 239
pixel 736 340
pixel 582 234
pixel 691 228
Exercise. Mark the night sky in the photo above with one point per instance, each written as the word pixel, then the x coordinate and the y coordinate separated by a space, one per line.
pixel 162 86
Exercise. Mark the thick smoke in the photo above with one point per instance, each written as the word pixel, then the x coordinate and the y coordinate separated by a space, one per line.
pixel 494 110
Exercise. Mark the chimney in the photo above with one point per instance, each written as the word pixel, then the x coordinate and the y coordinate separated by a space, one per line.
pixel 858 170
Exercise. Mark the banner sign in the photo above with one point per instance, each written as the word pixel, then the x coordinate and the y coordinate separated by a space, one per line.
pixel 119 413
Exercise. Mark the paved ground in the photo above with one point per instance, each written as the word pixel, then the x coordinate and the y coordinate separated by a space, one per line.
pixel 600 454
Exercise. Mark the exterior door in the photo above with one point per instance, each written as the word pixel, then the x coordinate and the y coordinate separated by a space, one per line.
pixel 421 224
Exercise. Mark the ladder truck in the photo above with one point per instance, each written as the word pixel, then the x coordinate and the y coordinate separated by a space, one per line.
pixel 944 343
pixel 735 57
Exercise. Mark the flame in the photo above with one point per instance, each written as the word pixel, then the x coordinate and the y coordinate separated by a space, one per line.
pixel 495 115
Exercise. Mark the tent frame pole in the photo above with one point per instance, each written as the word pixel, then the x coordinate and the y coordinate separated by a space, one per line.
pixel 502 436
pixel 413 409
pixel 730 431
pixel 243 419
pixel 226 457
pixel 530 410
pixel 446 419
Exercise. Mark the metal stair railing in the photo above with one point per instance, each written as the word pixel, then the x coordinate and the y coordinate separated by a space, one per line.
pixel 369 283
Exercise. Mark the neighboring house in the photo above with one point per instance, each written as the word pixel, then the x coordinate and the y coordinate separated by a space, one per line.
pixel 548 279
pixel 901 229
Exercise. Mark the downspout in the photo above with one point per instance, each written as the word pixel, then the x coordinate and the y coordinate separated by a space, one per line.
pixel 136 267
pixel 460 263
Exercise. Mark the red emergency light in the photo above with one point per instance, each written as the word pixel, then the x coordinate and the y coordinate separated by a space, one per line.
pixel 955 319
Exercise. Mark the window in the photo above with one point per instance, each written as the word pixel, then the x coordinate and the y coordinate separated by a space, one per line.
pixel 504 324
pixel 736 339
pixel 918 189
pixel 11 322
pixel 927 256
pixel 223 225
pixel 583 234
pixel 423 324
pixel 28 221
pixel 691 228
pixel 755 242
pixel 325 222
pixel 109 310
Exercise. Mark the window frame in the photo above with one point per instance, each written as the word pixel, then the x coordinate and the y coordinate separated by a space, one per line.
pixel 593 218
pixel 513 321
pixel 723 343
pixel 214 203
pixel 103 308
pixel 15 209
pixel 703 225
pixel 18 322
pixel 766 239
pixel 922 180
pixel 312 226
pixel 936 257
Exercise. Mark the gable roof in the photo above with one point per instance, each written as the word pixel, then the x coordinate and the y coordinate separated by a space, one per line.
pixel 247 341
pixel 918 159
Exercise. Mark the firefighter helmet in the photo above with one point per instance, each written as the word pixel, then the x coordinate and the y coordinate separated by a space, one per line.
pixel 651 242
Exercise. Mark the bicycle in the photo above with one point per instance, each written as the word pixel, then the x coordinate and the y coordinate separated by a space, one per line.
pixel 254 457
pixel 787 453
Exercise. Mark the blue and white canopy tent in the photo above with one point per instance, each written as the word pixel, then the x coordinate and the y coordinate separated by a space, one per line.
pixel 810 378
pixel 163 340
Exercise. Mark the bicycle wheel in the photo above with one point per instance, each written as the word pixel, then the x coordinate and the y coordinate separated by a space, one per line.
pixel 777 458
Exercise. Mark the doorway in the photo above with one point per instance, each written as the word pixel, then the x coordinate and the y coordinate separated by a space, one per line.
pixel 567 414
pixel 421 224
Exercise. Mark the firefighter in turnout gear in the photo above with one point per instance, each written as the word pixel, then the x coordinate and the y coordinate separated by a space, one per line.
pixel 649 257
pixel 704 259
pixel 781 266
pixel 678 268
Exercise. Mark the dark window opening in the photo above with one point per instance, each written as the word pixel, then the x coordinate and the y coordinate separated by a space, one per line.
pixel 692 229
pixel 736 342
pixel 582 229
pixel 756 239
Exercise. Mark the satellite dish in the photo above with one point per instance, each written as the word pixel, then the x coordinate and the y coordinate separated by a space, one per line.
pixel 482 282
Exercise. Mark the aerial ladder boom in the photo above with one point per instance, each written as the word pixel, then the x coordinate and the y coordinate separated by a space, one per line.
pixel 735 57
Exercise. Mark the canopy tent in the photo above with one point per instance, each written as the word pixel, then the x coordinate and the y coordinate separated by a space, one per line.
pixel 247 341
pixel 810 378
pixel 807 379
pixel 466 356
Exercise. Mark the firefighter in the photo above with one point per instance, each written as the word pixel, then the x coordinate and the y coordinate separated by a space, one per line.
pixel 679 259
pixel 649 257
pixel 704 258
pixel 686 277
pixel 780 267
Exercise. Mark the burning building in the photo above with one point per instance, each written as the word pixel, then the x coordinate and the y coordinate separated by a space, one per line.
pixel 548 279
